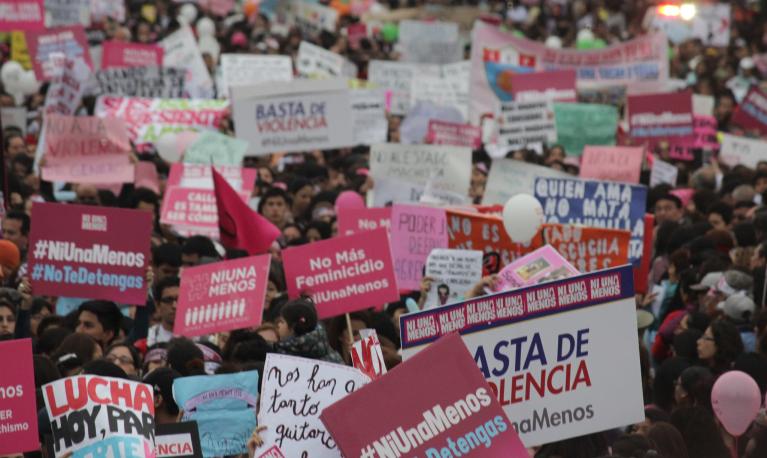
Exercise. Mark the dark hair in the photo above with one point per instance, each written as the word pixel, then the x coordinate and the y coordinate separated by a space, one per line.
pixel 75 350
pixel 272 193
pixel 186 357
pixel 277 275
pixel 131 349
pixel 670 197
pixel 49 340
pixel 665 377
pixel 107 312
pixel 322 227
pixel 685 345
pixel 745 234
pixel 167 282
pixel 631 446
pixel 721 209
pixel 667 440
pixel 199 245
pixel 755 365
pixel 251 350
pixel 587 446
pixel 45 372
pixel 104 368
pixel 697 382
pixel 728 345
pixel 38 304
pixel 700 433
pixel 144 195
pixel 167 253
pixel 300 315
pixel 20 216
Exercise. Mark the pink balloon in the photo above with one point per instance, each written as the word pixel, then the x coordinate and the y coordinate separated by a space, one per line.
pixel 349 200
pixel 736 399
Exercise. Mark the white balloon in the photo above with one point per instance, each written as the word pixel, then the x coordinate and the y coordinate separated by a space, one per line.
pixel 584 35
pixel 209 45
pixel 166 148
pixel 29 84
pixel 10 75
pixel 522 217
pixel 554 41
pixel 187 14
pixel 206 27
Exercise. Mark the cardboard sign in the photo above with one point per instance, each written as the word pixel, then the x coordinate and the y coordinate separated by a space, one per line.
pixel 557 85
pixel 216 149
pixel 557 376
pixel 425 421
pixel 369 114
pixel 317 62
pixel 454 134
pixel 92 252
pixel 448 90
pixel 662 172
pixel 613 163
pixel 67 12
pixel 120 54
pixel 752 111
pixel 589 248
pixel 86 149
pixel 595 204
pixel 398 77
pixel 356 220
pixel 654 117
pixel 581 124
pixel 177 440
pixel 367 356
pixel 14 117
pixel 91 415
pixel 415 231
pixel 508 178
pixel 152 82
pixel 453 274
pixel 181 51
pixel 49 47
pixel 524 123
pixel 740 150
pixel 540 266
pixel 21 15
pixel 18 424
pixel 222 296
pixel 67 86
pixel 224 407
pixel 311 18
pixel 343 274
pixel 150 119
pixel 429 42
pixel 239 69
pixel 296 116
pixel 294 393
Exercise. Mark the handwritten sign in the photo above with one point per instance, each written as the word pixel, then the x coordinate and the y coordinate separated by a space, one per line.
pixel 589 248
pixel 508 178
pixel 181 51
pixel 398 77
pixel 153 82
pixel 369 114
pixel 453 274
pixel 740 150
pixel 317 62
pixel 239 69
pixel 613 163
pixel 524 123
pixel 430 42
pixel 455 134
pixel 67 86
pixel 415 231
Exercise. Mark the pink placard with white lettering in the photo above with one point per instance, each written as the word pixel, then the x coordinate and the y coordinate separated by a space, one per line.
pixel 356 220
pixel 18 411
pixel 613 163
pixel 22 15
pixel 119 54
pixel 221 296
pixel 342 274
pixel 452 133
pixel 415 231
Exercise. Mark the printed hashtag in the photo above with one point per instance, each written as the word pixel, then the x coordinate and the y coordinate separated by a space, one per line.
pixel 37 272
pixel 367 452
pixel 41 247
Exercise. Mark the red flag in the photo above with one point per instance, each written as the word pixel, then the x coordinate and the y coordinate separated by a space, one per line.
pixel 241 227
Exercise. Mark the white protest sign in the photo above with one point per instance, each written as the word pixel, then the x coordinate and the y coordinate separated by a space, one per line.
pixel 525 123
pixel 369 113
pixel 59 13
pixel 181 51
pixel 548 352
pixel 152 82
pixel 67 87
pixel 509 177
pixel 102 9
pixel 297 116
pixel 367 355
pixel 662 172
pixel 702 105
pixel 294 392
pixel 712 24
pixel 246 69
pixel 313 17
pixel 390 191
pixel 450 89
pixel 316 62
pixel 453 273
pixel 740 150
pixel 398 77
pixel 429 42
pixel 14 117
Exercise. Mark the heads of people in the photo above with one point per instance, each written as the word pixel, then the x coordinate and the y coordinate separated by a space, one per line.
pixel 100 320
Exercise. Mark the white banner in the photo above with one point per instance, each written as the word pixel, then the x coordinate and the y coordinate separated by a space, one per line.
pixel 508 178
pixel 740 150
pixel 245 69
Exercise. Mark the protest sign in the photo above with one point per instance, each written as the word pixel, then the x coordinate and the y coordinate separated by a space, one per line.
pixel 425 421
pixel 49 47
pixel 106 417
pixel 740 150
pixel 177 440
pixel 390 191
pixel 119 54
pixel 272 452
pixel 662 172
pixel 152 82
pixel 429 42
pixel 237 69
pixel 213 148
pixel 21 15
pixel 540 266
pixel 705 132
pixel 508 178
pixel 313 18
pixel 751 113
pixel 655 117
pixel 93 252
pixel 86 149
pixel 454 134
pixel 415 231
pixel 524 123
pixel 147 176
pixel 589 248
pixel 224 407
pixel 496 55
pixel 557 377
pixel 181 51
pixel 295 116
pixel 150 119
pixel 343 274
pixel 67 12
pixel 450 89
pixel 702 105
pixel 356 220
pixel 398 77
pixel 222 296
pixel 367 355
pixel 581 124
pixel 601 204
pixel 18 410
pixel 294 393
pixel 317 62
pixel 711 24
pixel 355 33
pixel 557 85
pixel 453 274
pixel 14 117
pixel 682 151
pixel 613 163
pixel 475 231
pixel 67 86
pixel 369 114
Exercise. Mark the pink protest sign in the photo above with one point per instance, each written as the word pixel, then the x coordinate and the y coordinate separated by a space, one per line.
pixel 147 177
pixel 655 117
pixel 119 54
pixel 355 33
pixel 86 149
pixel 472 410
pixel 752 111
pixel 50 46
pixel 222 296
pixel 557 85
pixel 542 265
pixel 415 231
pixel 343 274
pixel 705 128
pixel 356 220
pixel 18 411
pixel 452 133
pixel 92 252
pixel 613 163
pixel 21 15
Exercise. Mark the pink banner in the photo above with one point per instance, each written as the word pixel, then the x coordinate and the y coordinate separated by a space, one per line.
pixel 356 220
pixel 119 54
pixel 21 15
pixel 655 117
pixel 415 231
pixel 222 296
pixel 343 274
pixel 92 252
pixel 18 409
pixel 612 163
pixel 451 133
pixel 558 85
pixel 752 111
pixel 50 46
